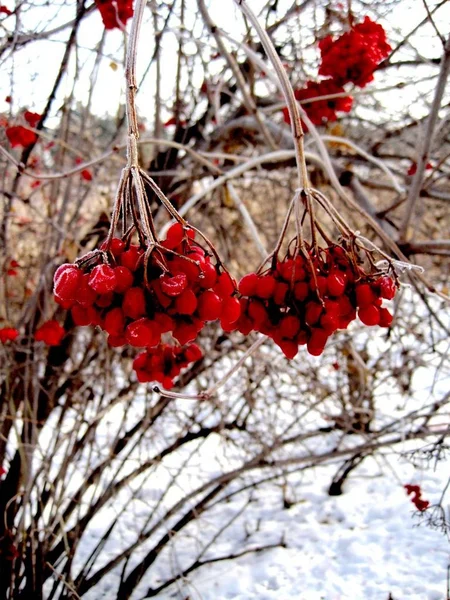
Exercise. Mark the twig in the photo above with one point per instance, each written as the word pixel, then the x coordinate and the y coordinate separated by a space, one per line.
pixel 296 125
pixel 414 190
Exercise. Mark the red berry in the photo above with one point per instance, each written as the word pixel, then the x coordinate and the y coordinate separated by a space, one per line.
pixel 85 295
pixel 165 323
pixel 66 281
pixel 317 342
pixel 175 235
pixel 387 287
pixel 345 306
pixel 289 348
pixel 286 269
pixel 257 312
pixel 365 295
pixel 124 279
pixel 319 284
pixel 265 286
pixel 312 313
pixel 386 317
pixel 186 303
pixel 105 300
pixel 247 284
pixel 116 247
pixel 83 316
pixel 301 291
pixel 209 306
pixel 329 322
pixel 289 326
pixel 50 332
pixel 116 341
pixel 102 279
pixel 143 333
pixel 181 266
pixel 231 310
pixel 208 275
pixel 281 291
pixel 8 334
pixel 131 257
pixel 193 353
pixel 173 286
pixel 114 322
pixel 225 285
pixel 332 307
pixel 164 300
pixel 369 315
pixel 244 324
pixel 133 304
pixel 336 284
pixel 184 333
pixel 421 504
pixel 412 489
pixel 140 362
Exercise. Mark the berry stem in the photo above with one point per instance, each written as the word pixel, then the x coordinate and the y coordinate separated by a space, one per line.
pixel 130 76
pixel 274 254
pixel 117 207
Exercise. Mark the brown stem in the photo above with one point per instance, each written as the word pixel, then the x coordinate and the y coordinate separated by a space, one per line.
pixel 294 114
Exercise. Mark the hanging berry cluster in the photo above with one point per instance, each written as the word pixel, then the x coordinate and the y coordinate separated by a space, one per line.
pixel 350 58
pixel 20 135
pixel 303 299
pixel 136 296
pixel 115 13
pixel 314 290
pixel 143 293
pixel 165 362
pixel 321 111
pixel 158 295
pixel 354 56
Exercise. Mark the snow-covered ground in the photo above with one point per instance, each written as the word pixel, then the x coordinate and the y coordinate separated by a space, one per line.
pixel 370 543
pixel 363 545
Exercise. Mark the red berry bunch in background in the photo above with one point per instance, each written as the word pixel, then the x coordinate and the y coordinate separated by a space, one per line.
pixel 136 298
pixel 416 497
pixel 18 135
pixel 8 334
pixel 354 56
pixel 413 168
pixel 165 362
pixel 115 13
pixel 50 332
pixel 321 111
pixel 305 299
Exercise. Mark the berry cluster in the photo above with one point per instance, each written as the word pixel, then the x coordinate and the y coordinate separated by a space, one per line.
pixel 115 13
pixel 321 111
pixel 136 296
pixel 165 362
pixel 416 497
pixel 8 334
pixel 18 135
pixel 304 299
pixel 354 56
pixel 50 332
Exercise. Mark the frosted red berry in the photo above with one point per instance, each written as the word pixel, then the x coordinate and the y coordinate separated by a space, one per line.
pixel 66 282
pixel 102 279
pixel 174 286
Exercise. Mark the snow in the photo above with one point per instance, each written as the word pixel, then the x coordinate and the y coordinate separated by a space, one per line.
pixel 365 544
